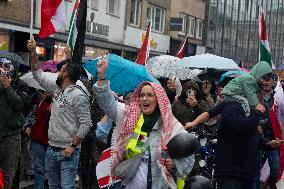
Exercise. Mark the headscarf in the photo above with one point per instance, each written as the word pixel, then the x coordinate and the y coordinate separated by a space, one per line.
pixel 169 124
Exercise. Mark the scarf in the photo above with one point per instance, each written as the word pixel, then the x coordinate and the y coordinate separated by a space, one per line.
pixel 242 100
pixel 170 128
pixel 150 120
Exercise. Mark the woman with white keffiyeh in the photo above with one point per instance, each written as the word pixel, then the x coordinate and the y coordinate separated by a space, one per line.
pixel 150 102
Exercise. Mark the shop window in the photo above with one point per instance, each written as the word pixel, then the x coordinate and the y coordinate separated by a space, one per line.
pixel 157 17
pixel 113 7
pixel 135 12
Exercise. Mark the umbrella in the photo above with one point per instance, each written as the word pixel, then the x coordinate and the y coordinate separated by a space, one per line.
pixel 123 74
pixel 30 80
pixel 165 66
pixel 210 73
pixel 16 59
pixel 204 61
pixel 226 77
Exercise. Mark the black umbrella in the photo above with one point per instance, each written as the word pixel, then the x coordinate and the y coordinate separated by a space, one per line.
pixel 210 73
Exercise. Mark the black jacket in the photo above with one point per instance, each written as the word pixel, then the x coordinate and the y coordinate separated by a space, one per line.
pixel 237 141
pixel 14 102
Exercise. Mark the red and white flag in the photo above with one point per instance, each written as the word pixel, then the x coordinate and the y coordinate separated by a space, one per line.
pixel 103 170
pixel 53 17
pixel 183 48
pixel 145 49
pixel 277 121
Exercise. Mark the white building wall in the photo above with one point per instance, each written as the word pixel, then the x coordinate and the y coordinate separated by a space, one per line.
pixel 115 23
pixel 133 38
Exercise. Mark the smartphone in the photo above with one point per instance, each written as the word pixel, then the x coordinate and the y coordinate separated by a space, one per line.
pixel 190 93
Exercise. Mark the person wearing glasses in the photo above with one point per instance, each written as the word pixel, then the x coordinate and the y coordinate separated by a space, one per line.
pixel 14 100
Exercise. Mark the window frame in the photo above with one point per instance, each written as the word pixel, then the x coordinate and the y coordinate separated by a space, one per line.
pixel 199 33
pixel 190 19
pixel 152 16
pixel 137 8
pixel 184 23
pixel 116 8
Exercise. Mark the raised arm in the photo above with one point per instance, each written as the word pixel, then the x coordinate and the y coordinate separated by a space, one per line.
pixel 47 83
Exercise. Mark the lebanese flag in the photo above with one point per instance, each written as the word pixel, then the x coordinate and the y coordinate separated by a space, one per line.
pixel 264 49
pixel 145 49
pixel 53 17
pixel 183 48
pixel 103 170
pixel 277 121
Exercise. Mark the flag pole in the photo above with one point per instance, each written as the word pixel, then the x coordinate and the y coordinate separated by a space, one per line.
pixel 32 19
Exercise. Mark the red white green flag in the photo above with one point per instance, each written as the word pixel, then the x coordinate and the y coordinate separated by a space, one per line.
pixel 264 49
pixel 53 17
pixel 73 31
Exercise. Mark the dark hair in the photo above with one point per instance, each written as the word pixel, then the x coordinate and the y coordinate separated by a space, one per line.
pixel 74 71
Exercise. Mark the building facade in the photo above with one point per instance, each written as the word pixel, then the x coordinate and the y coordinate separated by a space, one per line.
pixel 233 29
pixel 193 14
pixel 138 15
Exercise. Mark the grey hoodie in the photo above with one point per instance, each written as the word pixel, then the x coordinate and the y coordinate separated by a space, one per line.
pixel 70 112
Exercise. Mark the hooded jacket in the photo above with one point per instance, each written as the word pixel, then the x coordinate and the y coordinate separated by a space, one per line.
pixel 182 111
pixel 14 102
pixel 246 85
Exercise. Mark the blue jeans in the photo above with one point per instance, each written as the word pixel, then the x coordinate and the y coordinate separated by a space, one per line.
pixel 273 157
pixel 38 153
pixel 61 170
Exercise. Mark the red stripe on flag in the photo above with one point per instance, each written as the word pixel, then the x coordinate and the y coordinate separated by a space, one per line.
pixel 262 28
pixel 278 134
pixel 1 179
pixel 182 49
pixel 143 53
pixel 48 10
pixel 105 155
pixel 104 181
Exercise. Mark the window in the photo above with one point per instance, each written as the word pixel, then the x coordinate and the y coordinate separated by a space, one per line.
pixel 157 17
pixel 184 23
pixel 113 7
pixel 191 29
pixel 135 12
pixel 199 29
pixel 94 4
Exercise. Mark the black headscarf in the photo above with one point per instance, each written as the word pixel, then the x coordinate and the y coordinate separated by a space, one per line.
pixel 151 120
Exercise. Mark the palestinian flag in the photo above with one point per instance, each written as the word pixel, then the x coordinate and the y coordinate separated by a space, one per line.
pixel 277 121
pixel 77 30
pixel 183 48
pixel 53 17
pixel 264 49
pixel 145 49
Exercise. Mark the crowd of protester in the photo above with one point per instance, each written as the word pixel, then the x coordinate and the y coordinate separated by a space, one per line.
pixel 69 128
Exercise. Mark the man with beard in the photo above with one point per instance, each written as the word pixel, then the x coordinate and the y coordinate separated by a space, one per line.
pixel 69 123
pixel 14 100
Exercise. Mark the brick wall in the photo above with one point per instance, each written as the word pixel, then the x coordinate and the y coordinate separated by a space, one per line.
pixel 15 10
